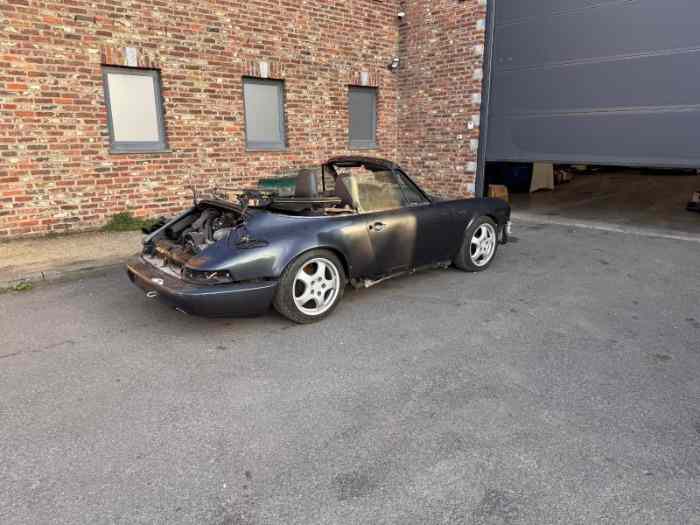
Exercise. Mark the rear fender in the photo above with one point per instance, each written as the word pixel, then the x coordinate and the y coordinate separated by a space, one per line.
pixel 348 239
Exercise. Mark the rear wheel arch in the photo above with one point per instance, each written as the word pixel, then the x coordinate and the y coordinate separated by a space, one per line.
pixel 340 255
pixel 335 251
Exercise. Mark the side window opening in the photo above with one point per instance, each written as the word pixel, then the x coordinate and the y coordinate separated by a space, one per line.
pixel 411 195
pixel 372 190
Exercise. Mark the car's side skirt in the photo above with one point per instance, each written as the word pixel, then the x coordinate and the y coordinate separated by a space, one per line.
pixel 368 283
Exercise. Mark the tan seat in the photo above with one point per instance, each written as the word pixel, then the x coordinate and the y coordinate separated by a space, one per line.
pixel 378 197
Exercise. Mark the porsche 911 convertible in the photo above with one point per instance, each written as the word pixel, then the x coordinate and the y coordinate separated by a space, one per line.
pixel 296 242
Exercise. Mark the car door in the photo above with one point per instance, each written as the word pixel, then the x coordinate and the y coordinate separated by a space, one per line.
pixel 432 234
pixel 434 223
pixel 391 227
pixel 392 234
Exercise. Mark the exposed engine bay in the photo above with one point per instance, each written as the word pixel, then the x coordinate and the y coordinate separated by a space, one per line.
pixel 211 225
pixel 203 226
pixel 214 219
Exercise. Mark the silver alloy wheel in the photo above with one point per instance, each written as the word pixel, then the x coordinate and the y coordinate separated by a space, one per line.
pixel 316 286
pixel 483 244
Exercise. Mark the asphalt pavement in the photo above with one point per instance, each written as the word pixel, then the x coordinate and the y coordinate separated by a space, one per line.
pixel 560 386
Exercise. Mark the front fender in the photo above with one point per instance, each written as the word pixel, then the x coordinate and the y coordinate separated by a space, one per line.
pixel 497 209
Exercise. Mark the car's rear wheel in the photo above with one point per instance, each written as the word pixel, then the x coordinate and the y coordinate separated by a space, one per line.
pixel 311 287
pixel 479 246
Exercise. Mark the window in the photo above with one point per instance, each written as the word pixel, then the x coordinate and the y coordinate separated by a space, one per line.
pixel 134 109
pixel 264 114
pixel 362 106
pixel 372 190
pixel 410 193
pixel 379 190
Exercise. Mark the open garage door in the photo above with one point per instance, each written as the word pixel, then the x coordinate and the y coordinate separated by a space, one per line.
pixel 613 82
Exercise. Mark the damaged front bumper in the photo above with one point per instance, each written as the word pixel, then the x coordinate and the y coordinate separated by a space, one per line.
pixel 221 300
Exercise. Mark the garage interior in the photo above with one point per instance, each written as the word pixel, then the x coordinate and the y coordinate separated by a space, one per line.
pixel 593 111
pixel 627 197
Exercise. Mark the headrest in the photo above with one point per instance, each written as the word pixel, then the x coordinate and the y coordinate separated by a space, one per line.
pixel 307 184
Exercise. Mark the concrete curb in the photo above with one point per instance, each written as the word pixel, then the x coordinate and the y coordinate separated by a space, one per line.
pixel 67 273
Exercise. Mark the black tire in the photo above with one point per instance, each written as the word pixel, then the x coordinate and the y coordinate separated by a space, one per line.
pixel 284 301
pixel 464 260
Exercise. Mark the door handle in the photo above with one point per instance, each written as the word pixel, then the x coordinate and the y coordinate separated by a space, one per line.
pixel 377 226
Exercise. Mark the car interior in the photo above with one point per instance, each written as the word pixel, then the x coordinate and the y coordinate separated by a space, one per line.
pixel 368 191
pixel 341 188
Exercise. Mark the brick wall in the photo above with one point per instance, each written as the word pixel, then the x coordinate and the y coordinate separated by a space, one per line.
pixel 56 172
pixel 441 48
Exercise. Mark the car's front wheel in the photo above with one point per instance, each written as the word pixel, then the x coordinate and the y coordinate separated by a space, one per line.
pixel 311 287
pixel 479 246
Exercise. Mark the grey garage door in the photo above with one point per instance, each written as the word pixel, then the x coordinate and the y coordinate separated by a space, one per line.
pixel 596 81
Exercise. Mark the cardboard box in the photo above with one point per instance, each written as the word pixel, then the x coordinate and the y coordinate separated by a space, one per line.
pixel 542 177
pixel 497 191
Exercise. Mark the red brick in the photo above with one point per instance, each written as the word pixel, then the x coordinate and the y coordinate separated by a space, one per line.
pixel 58 131
pixel 436 86
pixel 14 86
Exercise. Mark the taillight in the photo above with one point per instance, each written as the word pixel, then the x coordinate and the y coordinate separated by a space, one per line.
pixel 202 277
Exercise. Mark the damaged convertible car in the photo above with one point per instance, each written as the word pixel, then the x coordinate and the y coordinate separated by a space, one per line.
pixel 295 242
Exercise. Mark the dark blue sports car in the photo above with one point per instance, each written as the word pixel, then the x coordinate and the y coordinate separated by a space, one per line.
pixel 297 245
